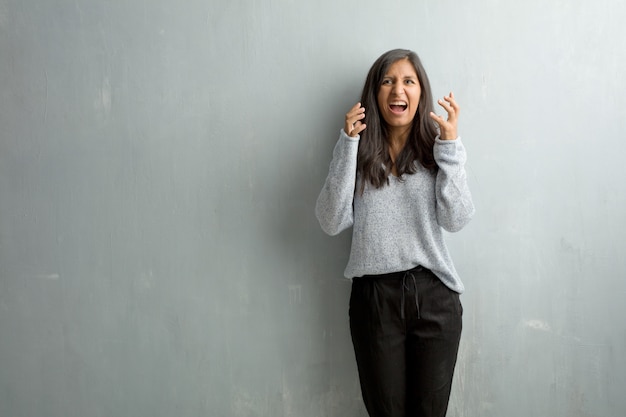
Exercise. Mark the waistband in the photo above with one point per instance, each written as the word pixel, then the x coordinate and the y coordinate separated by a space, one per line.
pixel 399 274
pixel 408 277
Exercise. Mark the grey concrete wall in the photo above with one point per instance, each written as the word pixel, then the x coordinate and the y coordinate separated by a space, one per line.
pixel 159 164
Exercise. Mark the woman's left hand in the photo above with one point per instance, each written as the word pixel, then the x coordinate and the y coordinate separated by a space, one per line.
pixel 447 128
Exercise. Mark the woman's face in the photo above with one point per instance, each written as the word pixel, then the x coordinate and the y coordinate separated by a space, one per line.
pixel 399 95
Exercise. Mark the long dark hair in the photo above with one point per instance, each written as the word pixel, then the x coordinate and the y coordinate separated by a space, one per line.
pixel 374 162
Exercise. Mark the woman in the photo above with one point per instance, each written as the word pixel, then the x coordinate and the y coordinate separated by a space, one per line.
pixel 397 177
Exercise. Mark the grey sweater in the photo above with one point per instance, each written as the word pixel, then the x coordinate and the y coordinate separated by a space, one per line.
pixel 399 226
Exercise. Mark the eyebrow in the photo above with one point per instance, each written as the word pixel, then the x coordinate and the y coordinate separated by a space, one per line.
pixel 404 77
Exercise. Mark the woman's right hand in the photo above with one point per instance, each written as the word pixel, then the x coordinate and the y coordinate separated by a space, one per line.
pixel 353 125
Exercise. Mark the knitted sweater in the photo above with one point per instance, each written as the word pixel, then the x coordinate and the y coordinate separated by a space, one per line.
pixel 399 226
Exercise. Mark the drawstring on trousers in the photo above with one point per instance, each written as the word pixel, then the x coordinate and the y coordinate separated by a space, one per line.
pixel 405 286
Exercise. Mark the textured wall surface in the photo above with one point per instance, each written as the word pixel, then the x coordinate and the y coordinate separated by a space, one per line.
pixel 159 164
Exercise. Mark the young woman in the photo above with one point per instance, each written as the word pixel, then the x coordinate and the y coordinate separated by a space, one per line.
pixel 397 177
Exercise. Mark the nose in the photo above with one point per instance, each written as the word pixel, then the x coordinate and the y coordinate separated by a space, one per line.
pixel 397 89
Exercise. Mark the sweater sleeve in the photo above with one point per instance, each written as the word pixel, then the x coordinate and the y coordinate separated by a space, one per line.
pixel 454 201
pixel 334 205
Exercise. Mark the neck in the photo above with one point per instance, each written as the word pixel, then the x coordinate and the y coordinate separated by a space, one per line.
pixel 396 141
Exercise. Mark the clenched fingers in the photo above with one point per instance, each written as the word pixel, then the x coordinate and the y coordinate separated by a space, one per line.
pixel 353 125
pixel 450 105
pixel 447 127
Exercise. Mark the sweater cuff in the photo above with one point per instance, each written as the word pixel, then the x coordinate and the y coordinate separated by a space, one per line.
pixel 446 142
pixel 449 151
pixel 344 135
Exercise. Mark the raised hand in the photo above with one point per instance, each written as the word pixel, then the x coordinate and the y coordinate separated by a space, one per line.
pixel 353 125
pixel 447 128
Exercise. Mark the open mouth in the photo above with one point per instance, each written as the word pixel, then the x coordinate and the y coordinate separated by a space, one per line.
pixel 398 106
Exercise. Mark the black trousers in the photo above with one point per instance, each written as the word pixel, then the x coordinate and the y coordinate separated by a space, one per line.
pixel 405 330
